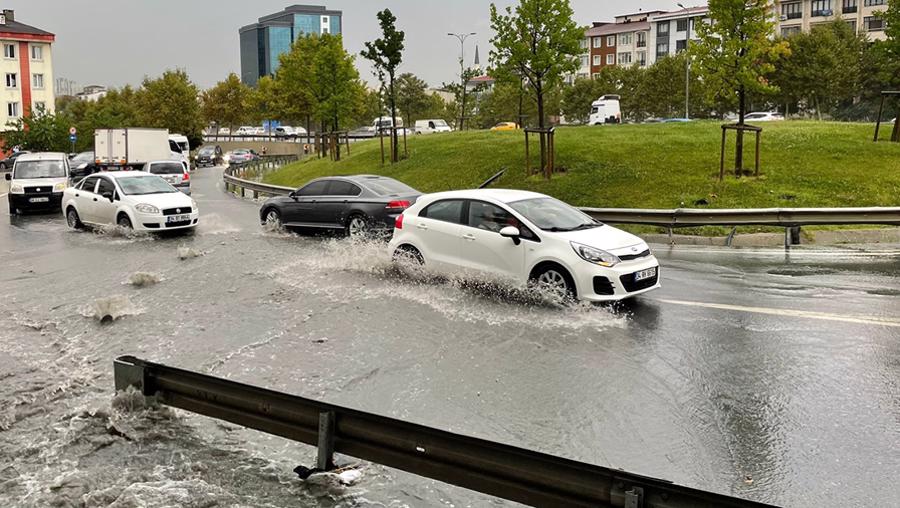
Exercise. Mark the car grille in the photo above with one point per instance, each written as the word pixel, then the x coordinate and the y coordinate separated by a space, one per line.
pixel 632 286
pixel 44 190
pixel 178 224
pixel 174 211
pixel 603 286
pixel 629 257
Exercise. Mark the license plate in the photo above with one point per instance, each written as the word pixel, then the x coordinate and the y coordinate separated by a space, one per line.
pixel 39 200
pixel 178 218
pixel 649 273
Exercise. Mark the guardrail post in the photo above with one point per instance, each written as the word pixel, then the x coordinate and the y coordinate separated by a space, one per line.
pixel 325 461
pixel 634 498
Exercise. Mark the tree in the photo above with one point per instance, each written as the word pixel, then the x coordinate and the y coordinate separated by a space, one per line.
pixel 461 92
pixel 170 102
pixel 504 103
pixel 40 131
pixel 336 88
pixel 735 51
pixel 226 103
pixel 412 97
pixel 891 17
pixel 577 100
pixel 289 96
pixel 386 54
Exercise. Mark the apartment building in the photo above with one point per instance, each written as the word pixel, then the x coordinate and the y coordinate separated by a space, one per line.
pixel 669 30
pixel 26 67
pixel 802 15
pixel 622 42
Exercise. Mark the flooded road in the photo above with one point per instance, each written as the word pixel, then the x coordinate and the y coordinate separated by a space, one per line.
pixel 760 374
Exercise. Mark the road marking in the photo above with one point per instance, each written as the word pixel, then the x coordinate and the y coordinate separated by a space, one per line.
pixel 868 320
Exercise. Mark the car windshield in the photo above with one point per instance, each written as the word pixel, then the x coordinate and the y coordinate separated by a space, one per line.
pixel 553 215
pixel 388 187
pixel 166 168
pixel 142 185
pixel 83 157
pixel 207 150
pixel 40 169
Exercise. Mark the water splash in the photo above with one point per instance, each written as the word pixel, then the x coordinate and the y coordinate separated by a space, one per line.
pixel 107 310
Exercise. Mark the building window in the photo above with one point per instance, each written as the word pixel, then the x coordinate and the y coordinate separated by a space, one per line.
pixel 642 58
pixel 583 44
pixel 680 46
pixel 37 52
pixel 821 8
pixel 611 59
pixel 40 106
pixel 681 25
pixel 849 7
pixel 11 80
pixel 584 61
pixel 642 39
pixel 37 81
pixel 625 58
pixel 869 3
pixel 598 42
pixel 662 49
pixel 9 51
pixel 873 24
pixel 851 23
pixel 611 41
pixel 595 75
pixel 598 60
pixel 789 31
pixel 793 10
pixel 12 109
pixel 624 39
pixel 662 28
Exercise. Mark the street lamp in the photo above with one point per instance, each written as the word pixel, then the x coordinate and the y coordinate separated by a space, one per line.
pixel 687 68
pixel 462 74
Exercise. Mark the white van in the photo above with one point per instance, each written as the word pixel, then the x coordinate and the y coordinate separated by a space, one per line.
pixel 184 146
pixel 432 126
pixel 37 182
pixel 385 123
pixel 606 110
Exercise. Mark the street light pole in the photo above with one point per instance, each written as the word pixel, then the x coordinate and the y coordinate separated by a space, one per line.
pixel 462 74
pixel 687 68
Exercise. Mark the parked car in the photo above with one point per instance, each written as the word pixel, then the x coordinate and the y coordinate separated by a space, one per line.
pixel 245 130
pixel 173 172
pixel 81 165
pixel 505 126
pixel 8 162
pixel 358 205
pixel 527 238
pixel 37 182
pixel 288 132
pixel 130 199
pixel 432 126
pixel 765 116
pixel 209 155
pixel 606 110
pixel 240 155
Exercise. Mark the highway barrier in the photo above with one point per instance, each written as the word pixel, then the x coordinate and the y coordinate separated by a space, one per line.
pixel 496 469
pixel 239 177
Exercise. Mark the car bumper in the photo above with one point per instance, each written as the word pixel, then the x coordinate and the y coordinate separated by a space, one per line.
pixel 25 201
pixel 143 222
pixel 601 284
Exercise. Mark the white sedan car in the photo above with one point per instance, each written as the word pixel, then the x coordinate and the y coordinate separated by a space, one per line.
pixel 130 199
pixel 527 238
pixel 764 116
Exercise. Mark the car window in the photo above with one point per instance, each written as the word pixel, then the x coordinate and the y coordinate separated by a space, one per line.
pixel 105 186
pixel 314 189
pixel 89 183
pixel 489 217
pixel 166 168
pixel 340 188
pixel 388 187
pixel 143 185
pixel 447 211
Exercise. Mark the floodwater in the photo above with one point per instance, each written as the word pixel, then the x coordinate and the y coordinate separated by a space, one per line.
pixel 752 373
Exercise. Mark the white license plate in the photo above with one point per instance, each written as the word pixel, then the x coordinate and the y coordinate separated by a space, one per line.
pixel 178 218
pixel 39 200
pixel 649 273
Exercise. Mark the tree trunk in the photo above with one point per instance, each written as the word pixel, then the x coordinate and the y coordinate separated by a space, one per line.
pixel 462 109
pixel 540 105
pixel 739 145
pixel 395 153
pixel 520 116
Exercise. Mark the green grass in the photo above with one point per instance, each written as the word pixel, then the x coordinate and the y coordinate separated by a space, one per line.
pixel 803 164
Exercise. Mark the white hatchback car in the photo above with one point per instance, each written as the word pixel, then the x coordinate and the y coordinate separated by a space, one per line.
pixel 524 237
pixel 130 199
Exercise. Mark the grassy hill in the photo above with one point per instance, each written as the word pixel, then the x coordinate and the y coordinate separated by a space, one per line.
pixel 804 164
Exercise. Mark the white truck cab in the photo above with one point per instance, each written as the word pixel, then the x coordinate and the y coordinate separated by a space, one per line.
pixel 432 126
pixel 37 182
pixel 184 149
pixel 605 110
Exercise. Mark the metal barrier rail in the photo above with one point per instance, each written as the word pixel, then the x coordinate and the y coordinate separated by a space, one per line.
pixel 492 468
pixel 264 163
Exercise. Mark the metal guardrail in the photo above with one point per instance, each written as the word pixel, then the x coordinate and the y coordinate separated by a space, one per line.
pixel 233 181
pixel 496 469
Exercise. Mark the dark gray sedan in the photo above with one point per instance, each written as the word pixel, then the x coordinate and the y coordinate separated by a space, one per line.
pixel 358 205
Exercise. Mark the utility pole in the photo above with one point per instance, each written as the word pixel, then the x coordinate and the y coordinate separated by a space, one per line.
pixel 462 75
pixel 687 67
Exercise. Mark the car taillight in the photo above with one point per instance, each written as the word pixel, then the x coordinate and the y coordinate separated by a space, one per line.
pixel 398 205
pixel 186 177
pixel 398 222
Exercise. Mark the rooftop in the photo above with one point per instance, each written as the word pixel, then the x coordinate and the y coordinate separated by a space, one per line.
pixel 14 28
pixel 618 28
pixel 690 11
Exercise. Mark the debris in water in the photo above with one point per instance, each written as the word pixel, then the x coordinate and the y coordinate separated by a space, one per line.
pixel 321 340
pixel 107 310
pixel 188 252
pixel 143 279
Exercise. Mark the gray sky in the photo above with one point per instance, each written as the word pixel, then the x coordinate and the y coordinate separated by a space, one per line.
pixel 114 42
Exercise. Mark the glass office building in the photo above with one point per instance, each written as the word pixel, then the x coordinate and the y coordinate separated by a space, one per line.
pixel 263 42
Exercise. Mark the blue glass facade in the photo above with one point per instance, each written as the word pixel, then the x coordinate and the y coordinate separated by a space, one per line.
pixel 335 25
pixel 305 24
pixel 279 42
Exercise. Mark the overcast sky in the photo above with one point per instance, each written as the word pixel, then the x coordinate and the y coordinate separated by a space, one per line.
pixel 115 42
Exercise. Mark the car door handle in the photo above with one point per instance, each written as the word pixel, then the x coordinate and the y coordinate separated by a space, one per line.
pixel 469 237
pixel 423 227
pixel 95 199
pixel 77 195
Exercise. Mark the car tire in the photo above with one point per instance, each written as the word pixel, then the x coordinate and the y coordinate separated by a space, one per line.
pixel 408 255
pixel 73 220
pixel 554 279
pixel 272 219
pixel 124 222
pixel 357 227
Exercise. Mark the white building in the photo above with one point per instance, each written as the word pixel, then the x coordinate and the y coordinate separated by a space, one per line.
pixel 802 15
pixel 92 93
pixel 26 69
pixel 669 31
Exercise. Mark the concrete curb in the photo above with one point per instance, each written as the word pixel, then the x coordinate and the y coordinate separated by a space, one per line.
pixel 824 237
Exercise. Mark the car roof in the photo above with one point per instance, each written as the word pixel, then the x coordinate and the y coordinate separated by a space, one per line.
pixel 499 195
pixel 115 175
pixel 42 156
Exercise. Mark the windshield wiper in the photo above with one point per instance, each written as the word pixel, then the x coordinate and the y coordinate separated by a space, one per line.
pixel 587 225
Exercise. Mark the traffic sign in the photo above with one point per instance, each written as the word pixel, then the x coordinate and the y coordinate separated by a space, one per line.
pixel 73 131
pixel 73 137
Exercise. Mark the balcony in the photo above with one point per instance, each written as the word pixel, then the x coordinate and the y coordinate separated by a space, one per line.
pixel 822 13
pixel 849 9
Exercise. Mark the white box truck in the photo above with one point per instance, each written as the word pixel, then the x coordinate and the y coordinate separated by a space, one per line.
pixel 131 147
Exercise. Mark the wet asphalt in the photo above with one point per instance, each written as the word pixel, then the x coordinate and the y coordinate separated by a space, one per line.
pixel 762 374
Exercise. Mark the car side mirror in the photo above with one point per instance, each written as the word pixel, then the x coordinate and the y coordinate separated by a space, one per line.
pixel 108 195
pixel 513 233
pixel 8 177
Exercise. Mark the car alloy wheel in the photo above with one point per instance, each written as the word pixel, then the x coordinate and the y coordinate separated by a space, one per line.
pixel 273 219
pixel 73 220
pixel 358 227
pixel 124 222
pixel 554 281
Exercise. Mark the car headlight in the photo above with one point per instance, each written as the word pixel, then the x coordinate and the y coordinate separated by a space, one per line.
pixel 16 188
pixel 61 186
pixel 596 256
pixel 194 204
pixel 145 208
